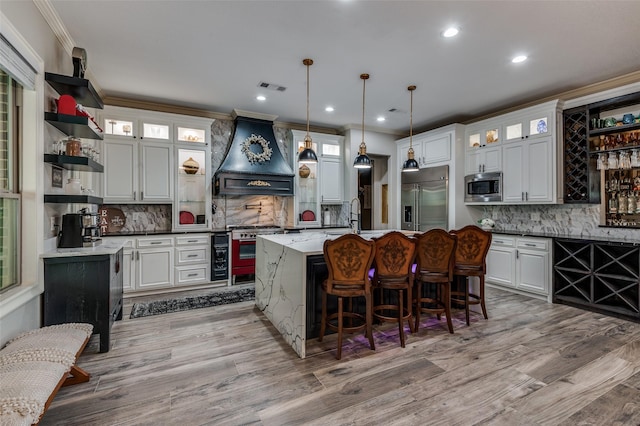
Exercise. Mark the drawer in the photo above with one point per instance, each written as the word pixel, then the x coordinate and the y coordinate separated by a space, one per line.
pixel 533 244
pixel 196 255
pixel 503 241
pixel 155 242
pixel 192 275
pixel 196 240
pixel 127 243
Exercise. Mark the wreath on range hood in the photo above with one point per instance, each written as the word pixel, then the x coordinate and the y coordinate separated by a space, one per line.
pixel 253 157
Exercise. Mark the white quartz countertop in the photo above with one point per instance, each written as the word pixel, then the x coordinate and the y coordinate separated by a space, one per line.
pixel 107 247
pixel 310 242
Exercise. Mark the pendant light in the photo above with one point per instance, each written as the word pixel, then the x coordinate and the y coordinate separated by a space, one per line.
pixel 307 156
pixel 362 161
pixel 411 165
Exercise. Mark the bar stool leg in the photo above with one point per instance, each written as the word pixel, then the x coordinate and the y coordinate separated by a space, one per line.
pixel 447 304
pixel 340 325
pixel 400 315
pixel 369 319
pixel 323 322
pixel 482 305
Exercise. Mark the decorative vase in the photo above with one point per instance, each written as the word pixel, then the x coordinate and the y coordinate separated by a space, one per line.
pixel 304 171
pixel 191 166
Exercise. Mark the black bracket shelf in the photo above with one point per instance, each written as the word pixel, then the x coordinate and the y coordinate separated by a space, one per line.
pixel 75 199
pixel 81 89
pixel 69 162
pixel 73 125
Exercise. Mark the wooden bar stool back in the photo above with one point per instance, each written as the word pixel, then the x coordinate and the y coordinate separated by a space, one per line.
pixel 435 254
pixel 470 261
pixel 348 259
pixel 394 257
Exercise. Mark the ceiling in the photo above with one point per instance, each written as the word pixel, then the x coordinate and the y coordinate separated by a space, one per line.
pixel 212 55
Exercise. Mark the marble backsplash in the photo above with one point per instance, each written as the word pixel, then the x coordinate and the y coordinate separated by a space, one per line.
pixel 141 218
pixel 575 220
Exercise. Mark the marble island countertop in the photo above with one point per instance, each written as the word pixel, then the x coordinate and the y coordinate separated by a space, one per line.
pixel 551 234
pixel 107 247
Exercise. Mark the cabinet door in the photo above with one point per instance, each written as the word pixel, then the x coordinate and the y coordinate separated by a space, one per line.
pixel 128 271
pixel 533 271
pixel 192 208
pixel 157 172
pixel 473 162
pixel 155 268
pixel 120 171
pixel 483 160
pixel 436 150
pixel 501 265
pixel 330 180
pixel 539 170
pixel 513 175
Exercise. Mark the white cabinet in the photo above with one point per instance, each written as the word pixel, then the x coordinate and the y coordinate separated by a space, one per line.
pixel 192 259
pixel 523 145
pixel 427 149
pixel 527 172
pixel 520 264
pixel 137 172
pixel 154 263
pixel 483 160
pixel 318 184
pixel 192 206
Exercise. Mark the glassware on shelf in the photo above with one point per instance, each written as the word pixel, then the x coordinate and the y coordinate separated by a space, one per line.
pixel 622 202
pixel 632 203
pixel 635 158
pixel 613 160
pixel 624 162
pixel 613 204
pixel 602 161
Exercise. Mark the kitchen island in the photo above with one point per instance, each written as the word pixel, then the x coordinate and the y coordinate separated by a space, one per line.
pixel 288 270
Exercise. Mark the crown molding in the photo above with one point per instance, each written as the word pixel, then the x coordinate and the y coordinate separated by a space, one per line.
pixel 161 107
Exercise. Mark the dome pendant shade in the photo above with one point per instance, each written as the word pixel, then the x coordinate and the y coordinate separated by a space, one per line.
pixel 362 161
pixel 411 165
pixel 307 156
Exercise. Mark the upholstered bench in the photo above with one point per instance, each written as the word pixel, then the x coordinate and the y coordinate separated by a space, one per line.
pixel 33 367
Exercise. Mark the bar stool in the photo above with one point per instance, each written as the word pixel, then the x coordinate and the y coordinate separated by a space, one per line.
pixel 470 261
pixel 435 254
pixel 348 259
pixel 395 253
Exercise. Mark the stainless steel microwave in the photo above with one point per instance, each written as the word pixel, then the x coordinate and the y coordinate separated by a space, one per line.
pixel 483 187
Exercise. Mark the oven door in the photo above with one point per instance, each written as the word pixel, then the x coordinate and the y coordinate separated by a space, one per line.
pixel 243 256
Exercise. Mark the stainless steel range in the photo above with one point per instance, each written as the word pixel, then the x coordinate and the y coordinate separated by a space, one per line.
pixel 243 247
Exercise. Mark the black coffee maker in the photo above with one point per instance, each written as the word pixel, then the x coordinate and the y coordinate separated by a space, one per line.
pixel 72 231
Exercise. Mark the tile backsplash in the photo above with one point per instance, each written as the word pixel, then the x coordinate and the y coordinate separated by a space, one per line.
pixel 575 220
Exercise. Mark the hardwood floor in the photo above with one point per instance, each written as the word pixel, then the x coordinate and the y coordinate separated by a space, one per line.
pixel 531 363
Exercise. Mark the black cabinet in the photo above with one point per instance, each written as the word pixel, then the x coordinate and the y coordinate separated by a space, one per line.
pixel 598 275
pixel 84 289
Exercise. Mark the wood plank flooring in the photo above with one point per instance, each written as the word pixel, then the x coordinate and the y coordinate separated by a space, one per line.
pixel 531 363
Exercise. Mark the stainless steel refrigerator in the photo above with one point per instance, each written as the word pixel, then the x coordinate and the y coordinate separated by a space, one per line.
pixel 424 199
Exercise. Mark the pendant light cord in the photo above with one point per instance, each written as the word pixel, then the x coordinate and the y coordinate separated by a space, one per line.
pixel 307 63
pixel 411 89
pixel 364 82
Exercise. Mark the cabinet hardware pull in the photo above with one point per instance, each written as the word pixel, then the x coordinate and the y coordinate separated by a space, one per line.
pixel 192 255
pixel 529 245
pixel 498 241
pixel 523 196
pixel 192 275
pixel 137 255
pixel 134 195
pixel 155 242
pixel 141 195
pixel 517 254
pixel 192 241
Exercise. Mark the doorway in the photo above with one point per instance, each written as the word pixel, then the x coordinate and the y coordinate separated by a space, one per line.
pixel 365 195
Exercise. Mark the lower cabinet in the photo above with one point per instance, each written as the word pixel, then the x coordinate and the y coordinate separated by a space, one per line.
pixel 520 264
pixel 163 262
pixel 84 289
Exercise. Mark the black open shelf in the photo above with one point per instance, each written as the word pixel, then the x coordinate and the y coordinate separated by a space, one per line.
pixel 81 89
pixel 614 129
pixel 69 162
pixel 77 199
pixel 72 125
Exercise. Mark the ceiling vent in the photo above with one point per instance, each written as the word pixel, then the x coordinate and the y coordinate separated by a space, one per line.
pixel 272 86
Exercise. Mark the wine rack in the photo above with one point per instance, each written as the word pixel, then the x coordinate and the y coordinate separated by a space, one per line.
pixel 578 182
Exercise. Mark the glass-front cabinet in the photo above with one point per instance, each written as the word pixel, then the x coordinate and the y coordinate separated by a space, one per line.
pixel 193 192
pixel 321 184
pixel 527 127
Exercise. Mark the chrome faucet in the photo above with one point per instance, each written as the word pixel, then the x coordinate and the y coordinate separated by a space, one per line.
pixel 358 219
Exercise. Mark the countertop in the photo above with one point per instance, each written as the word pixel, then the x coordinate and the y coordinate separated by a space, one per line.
pixel 107 247
pixel 585 237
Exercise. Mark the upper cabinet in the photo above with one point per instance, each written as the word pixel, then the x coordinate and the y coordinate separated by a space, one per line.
pixel 318 184
pixel 523 145
pixel 428 149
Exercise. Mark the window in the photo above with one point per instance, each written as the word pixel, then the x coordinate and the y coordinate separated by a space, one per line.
pixel 10 200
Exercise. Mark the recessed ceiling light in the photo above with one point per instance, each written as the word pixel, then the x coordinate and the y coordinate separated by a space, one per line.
pixel 261 98
pixel 381 118
pixel 329 109
pixel 451 32
pixel 519 58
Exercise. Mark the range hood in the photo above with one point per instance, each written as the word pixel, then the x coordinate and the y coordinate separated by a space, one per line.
pixel 253 163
